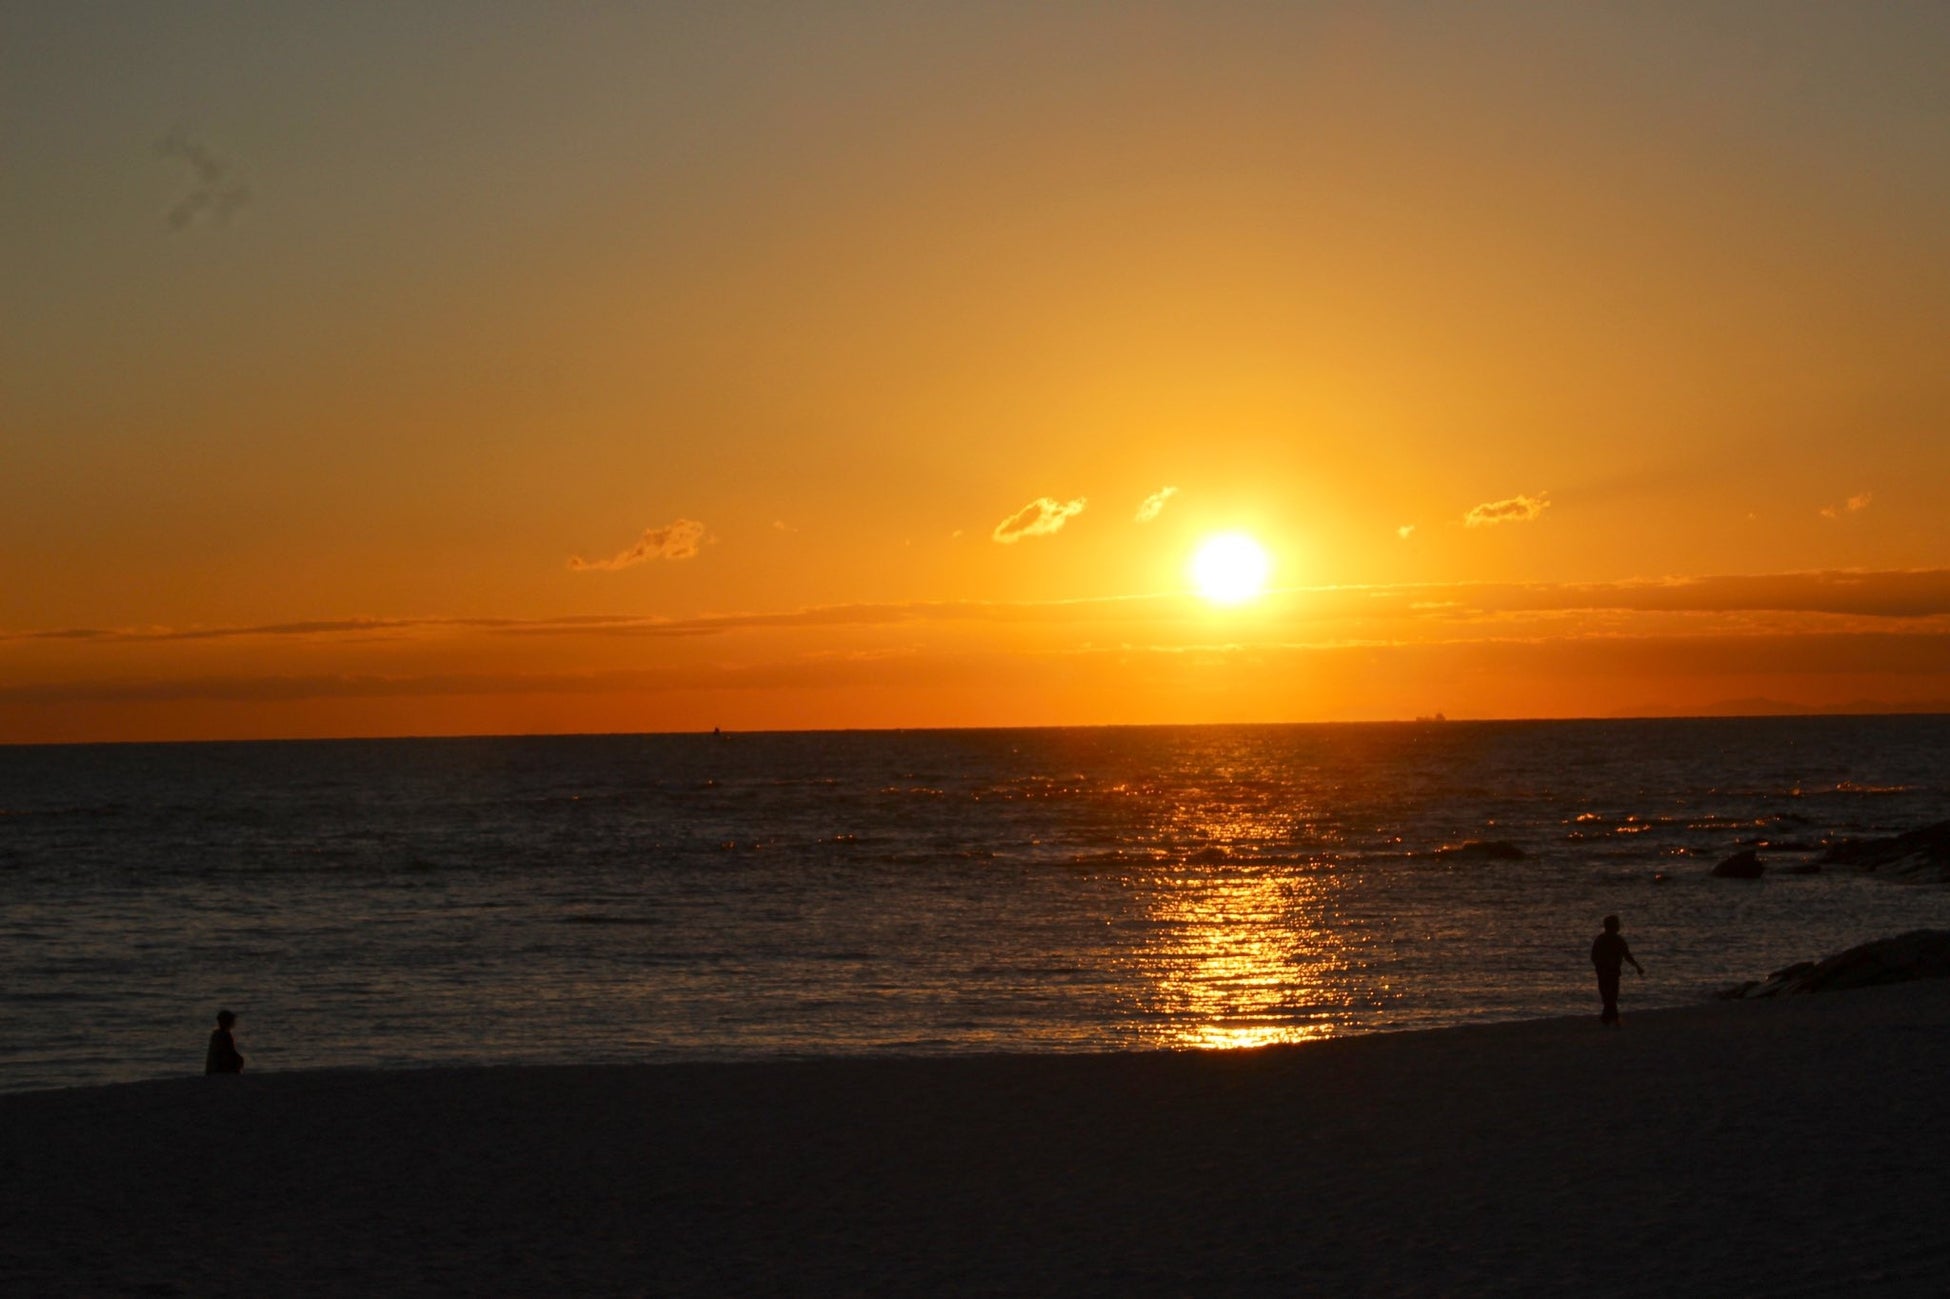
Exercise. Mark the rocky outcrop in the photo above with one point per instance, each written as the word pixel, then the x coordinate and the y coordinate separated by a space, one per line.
pixel 1741 866
pixel 1918 857
pixel 1919 954
pixel 1482 850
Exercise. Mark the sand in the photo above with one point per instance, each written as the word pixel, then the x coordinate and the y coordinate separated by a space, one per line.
pixel 1791 1147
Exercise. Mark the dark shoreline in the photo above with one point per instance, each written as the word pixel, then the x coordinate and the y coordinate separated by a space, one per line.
pixel 1786 1146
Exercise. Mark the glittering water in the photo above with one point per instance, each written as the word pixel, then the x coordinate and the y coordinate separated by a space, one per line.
pixel 683 897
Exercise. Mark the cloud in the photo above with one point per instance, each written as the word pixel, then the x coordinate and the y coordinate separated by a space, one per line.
pixel 1110 608
pixel 1922 593
pixel 1405 531
pixel 1517 509
pixel 1854 505
pixel 1039 518
pixel 329 627
pixel 214 193
pixel 677 540
pixel 1154 504
pixel 1908 663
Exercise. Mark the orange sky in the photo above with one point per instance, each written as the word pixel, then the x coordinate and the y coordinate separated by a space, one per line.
pixel 389 370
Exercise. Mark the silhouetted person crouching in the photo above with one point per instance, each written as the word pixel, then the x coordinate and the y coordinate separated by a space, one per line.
pixel 223 1056
pixel 1609 953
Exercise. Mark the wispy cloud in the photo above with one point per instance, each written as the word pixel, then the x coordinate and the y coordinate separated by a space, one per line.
pixel 819 671
pixel 330 627
pixel 1517 509
pixel 1105 608
pixel 1919 594
pixel 1039 518
pixel 1910 662
pixel 676 540
pixel 1154 504
pixel 1923 593
pixel 1853 505
pixel 214 193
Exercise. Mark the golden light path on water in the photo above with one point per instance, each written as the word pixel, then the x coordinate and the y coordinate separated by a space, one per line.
pixel 1245 954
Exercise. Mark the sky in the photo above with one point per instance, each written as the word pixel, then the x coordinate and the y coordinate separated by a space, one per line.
pixel 380 369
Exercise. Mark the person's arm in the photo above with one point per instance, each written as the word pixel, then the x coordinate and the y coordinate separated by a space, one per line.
pixel 1633 959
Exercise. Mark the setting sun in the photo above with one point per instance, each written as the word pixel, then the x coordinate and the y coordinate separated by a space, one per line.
pixel 1230 568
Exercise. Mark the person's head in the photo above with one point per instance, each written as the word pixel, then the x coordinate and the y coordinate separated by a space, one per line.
pixel 1611 924
pixel 225 1019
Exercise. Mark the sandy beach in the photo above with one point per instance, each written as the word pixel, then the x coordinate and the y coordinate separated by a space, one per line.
pixel 1791 1147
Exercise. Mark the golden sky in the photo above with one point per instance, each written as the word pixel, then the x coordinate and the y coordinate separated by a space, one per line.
pixel 406 369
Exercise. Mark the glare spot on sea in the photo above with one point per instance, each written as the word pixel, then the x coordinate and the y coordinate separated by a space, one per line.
pixel 1242 954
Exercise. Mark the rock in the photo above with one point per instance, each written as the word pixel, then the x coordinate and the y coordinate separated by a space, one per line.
pixel 1773 985
pixel 1482 850
pixel 1741 866
pixel 1917 857
pixel 1919 954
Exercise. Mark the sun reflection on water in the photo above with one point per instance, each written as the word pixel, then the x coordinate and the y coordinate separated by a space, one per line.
pixel 1243 952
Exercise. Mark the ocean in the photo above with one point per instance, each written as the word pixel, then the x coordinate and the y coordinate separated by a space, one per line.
pixel 411 902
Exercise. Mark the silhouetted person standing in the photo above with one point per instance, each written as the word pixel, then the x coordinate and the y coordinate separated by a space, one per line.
pixel 223 1056
pixel 1609 953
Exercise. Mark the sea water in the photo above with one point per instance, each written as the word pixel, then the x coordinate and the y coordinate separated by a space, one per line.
pixel 690 897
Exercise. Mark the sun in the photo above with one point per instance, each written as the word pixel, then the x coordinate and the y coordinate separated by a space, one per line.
pixel 1230 568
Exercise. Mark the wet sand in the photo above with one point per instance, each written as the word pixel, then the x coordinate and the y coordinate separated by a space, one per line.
pixel 1792 1147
